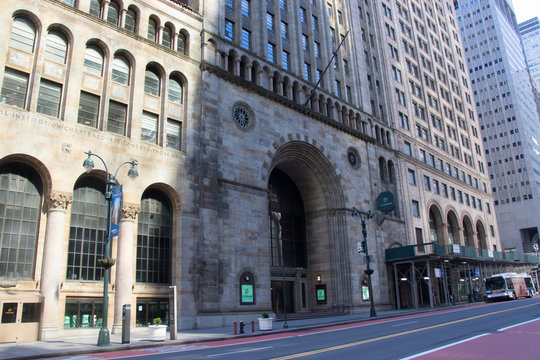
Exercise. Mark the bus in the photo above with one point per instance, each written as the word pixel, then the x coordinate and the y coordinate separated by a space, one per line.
pixel 530 284
pixel 507 286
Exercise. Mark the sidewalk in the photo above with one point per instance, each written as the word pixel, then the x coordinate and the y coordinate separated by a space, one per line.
pixel 140 338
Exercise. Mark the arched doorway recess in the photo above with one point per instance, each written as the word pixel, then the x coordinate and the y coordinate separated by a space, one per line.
pixel 308 242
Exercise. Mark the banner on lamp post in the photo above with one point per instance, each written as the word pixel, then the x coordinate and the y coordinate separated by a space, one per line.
pixel 116 210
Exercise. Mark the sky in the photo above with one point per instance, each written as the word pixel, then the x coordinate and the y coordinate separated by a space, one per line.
pixel 526 9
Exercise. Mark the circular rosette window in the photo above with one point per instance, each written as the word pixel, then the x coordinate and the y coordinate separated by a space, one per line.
pixel 243 116
pixel 354 158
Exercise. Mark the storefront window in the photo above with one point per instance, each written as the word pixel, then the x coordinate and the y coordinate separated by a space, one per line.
pixel 83 313
pixel 149 309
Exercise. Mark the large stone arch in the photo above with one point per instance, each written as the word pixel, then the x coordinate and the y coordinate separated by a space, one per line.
pixel 436 224
pixel 453 227
pixel 324 203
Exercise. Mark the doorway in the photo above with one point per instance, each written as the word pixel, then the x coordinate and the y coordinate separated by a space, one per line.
pixel 278 297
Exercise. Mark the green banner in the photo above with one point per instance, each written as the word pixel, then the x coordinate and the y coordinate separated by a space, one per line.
pixel 365 293
pixel 321 294
pixel 247 293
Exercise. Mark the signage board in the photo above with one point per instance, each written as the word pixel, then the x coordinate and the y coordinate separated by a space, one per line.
pixel 385 201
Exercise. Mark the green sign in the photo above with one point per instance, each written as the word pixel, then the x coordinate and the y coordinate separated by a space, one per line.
pixel 321 295
pixel 365 293
pixel 385 201
pixel 247 293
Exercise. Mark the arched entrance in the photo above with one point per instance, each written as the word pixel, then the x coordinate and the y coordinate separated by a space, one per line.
pixel 308 245
pixel 453 228
pixel 435 225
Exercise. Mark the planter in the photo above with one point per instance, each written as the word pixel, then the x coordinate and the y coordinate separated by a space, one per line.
pixel 265 324
pixel 158 332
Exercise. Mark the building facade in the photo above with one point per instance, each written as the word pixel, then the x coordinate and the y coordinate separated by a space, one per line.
pixel 530 38
pixel 508 117
pixel 256 127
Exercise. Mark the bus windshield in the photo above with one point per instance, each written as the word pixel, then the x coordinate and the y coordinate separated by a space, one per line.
pixel 495 283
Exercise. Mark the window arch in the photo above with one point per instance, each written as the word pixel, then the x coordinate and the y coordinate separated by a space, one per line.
pixel 152 30
pixel 93 60
pixel 23 34
pixel 166 39
pixel 56 47
pixel 176 90
pixel 152 82
pixel 154 238
pixel 95 8
pixel 87 232
pixel 120 70
pixel 181 44
pixel 130 23
pixel 21 192
pixel 113 12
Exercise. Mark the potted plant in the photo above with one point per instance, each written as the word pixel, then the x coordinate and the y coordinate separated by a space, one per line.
pixel 158 331
pixel 265 322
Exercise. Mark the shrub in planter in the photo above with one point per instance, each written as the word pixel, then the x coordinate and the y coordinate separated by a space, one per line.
pixel 265 322
pixel 158 332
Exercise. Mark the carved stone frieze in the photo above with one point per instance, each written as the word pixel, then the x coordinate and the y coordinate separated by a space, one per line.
pixel 59 200
pixel 130 211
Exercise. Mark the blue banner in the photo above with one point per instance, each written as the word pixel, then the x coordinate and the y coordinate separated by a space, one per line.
pixel 116 210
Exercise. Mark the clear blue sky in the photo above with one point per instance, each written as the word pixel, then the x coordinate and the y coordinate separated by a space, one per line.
pixel 526 9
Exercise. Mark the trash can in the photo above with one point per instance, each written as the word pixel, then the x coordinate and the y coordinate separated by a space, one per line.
pixel 126 322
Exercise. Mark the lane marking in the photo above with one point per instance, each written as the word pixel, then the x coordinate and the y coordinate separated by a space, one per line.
pixel 443 347
pixel 240 351
pixel 366 341
pixel 523 323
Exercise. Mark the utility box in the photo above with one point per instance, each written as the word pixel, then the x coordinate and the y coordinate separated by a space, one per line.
pixel 126 323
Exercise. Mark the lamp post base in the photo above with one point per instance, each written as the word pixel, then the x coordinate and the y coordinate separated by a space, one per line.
pixel 104 338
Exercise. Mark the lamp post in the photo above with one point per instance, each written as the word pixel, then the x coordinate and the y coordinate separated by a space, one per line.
pixel 88 164
pixel 368 271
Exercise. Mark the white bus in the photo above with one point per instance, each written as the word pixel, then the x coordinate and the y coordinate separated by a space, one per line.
pixel 508 286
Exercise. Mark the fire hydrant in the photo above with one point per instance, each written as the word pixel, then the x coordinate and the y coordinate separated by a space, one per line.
pixel 241 327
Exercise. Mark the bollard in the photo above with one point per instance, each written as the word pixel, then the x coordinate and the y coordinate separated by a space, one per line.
pixel 241 327
pixel 234 326
pixel 252 326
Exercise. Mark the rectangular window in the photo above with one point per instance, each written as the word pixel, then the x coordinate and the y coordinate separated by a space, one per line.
pixel 314 23
pixel 229 30
pixel 49 97
pixel 174 134
pixel 229 3
pixel 14 88
pixel 285 59
pixel 305 42
pixel 427 184
pixel 412 177
pixel 149 127
pixel 283 5
pixel 116 121
pixel 245 8
pixel 416 208
pixel 419 238
pixel 302 15
pixel 284 30
pixel 246 39
pixel 407 148
pixel 337 88
pixel 317 49
pixel 271 52
pixel 88 109
pixel 307 72
pixel 270 21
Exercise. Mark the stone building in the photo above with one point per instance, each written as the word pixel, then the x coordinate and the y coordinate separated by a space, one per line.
pixel 251 154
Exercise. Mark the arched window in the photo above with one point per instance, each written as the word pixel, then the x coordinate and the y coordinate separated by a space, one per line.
pixel 433 227
pixel 176 91
pixel 152 82
pixel 95 8
pixel 131 20
pixel 23 35
pixel 56 47
pixel 93 60
pixel 112 13
pixel 87 232
pixel 154 239
pixel 181 44
pixel 20 205
pixel 166 40
pixel 152 30
pixel 120 70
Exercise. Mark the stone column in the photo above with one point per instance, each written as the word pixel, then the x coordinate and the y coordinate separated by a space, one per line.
pixel 124 264
pixel 53 258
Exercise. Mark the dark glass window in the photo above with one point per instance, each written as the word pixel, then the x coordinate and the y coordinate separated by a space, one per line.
pixel 154 239
pixel 83 313
pixel 87 232
pixel 287 222
pixel 20 205
pixel 149 309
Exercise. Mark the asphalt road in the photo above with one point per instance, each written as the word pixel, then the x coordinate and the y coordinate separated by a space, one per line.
pixel 472 332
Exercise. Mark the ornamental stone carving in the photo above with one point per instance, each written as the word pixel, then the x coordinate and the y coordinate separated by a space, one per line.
pixel 59 201
pixel 130 211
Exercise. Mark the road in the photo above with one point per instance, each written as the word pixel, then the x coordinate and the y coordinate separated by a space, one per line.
pixel 481 331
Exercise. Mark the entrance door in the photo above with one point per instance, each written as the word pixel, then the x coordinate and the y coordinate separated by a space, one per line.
pixel 278 298
pixel 19 321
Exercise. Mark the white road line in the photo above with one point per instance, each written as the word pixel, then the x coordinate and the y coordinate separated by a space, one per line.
pixel 240 351
pixel 443 347
pixel 523 323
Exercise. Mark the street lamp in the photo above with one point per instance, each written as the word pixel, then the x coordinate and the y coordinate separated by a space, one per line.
pixel 363 248
pixel 88 164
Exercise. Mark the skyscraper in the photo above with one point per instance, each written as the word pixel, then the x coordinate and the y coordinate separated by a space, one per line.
pixel 508 117
pixel 530 38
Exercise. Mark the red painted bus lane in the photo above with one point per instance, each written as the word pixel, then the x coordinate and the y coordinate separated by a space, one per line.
pixel 519 341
